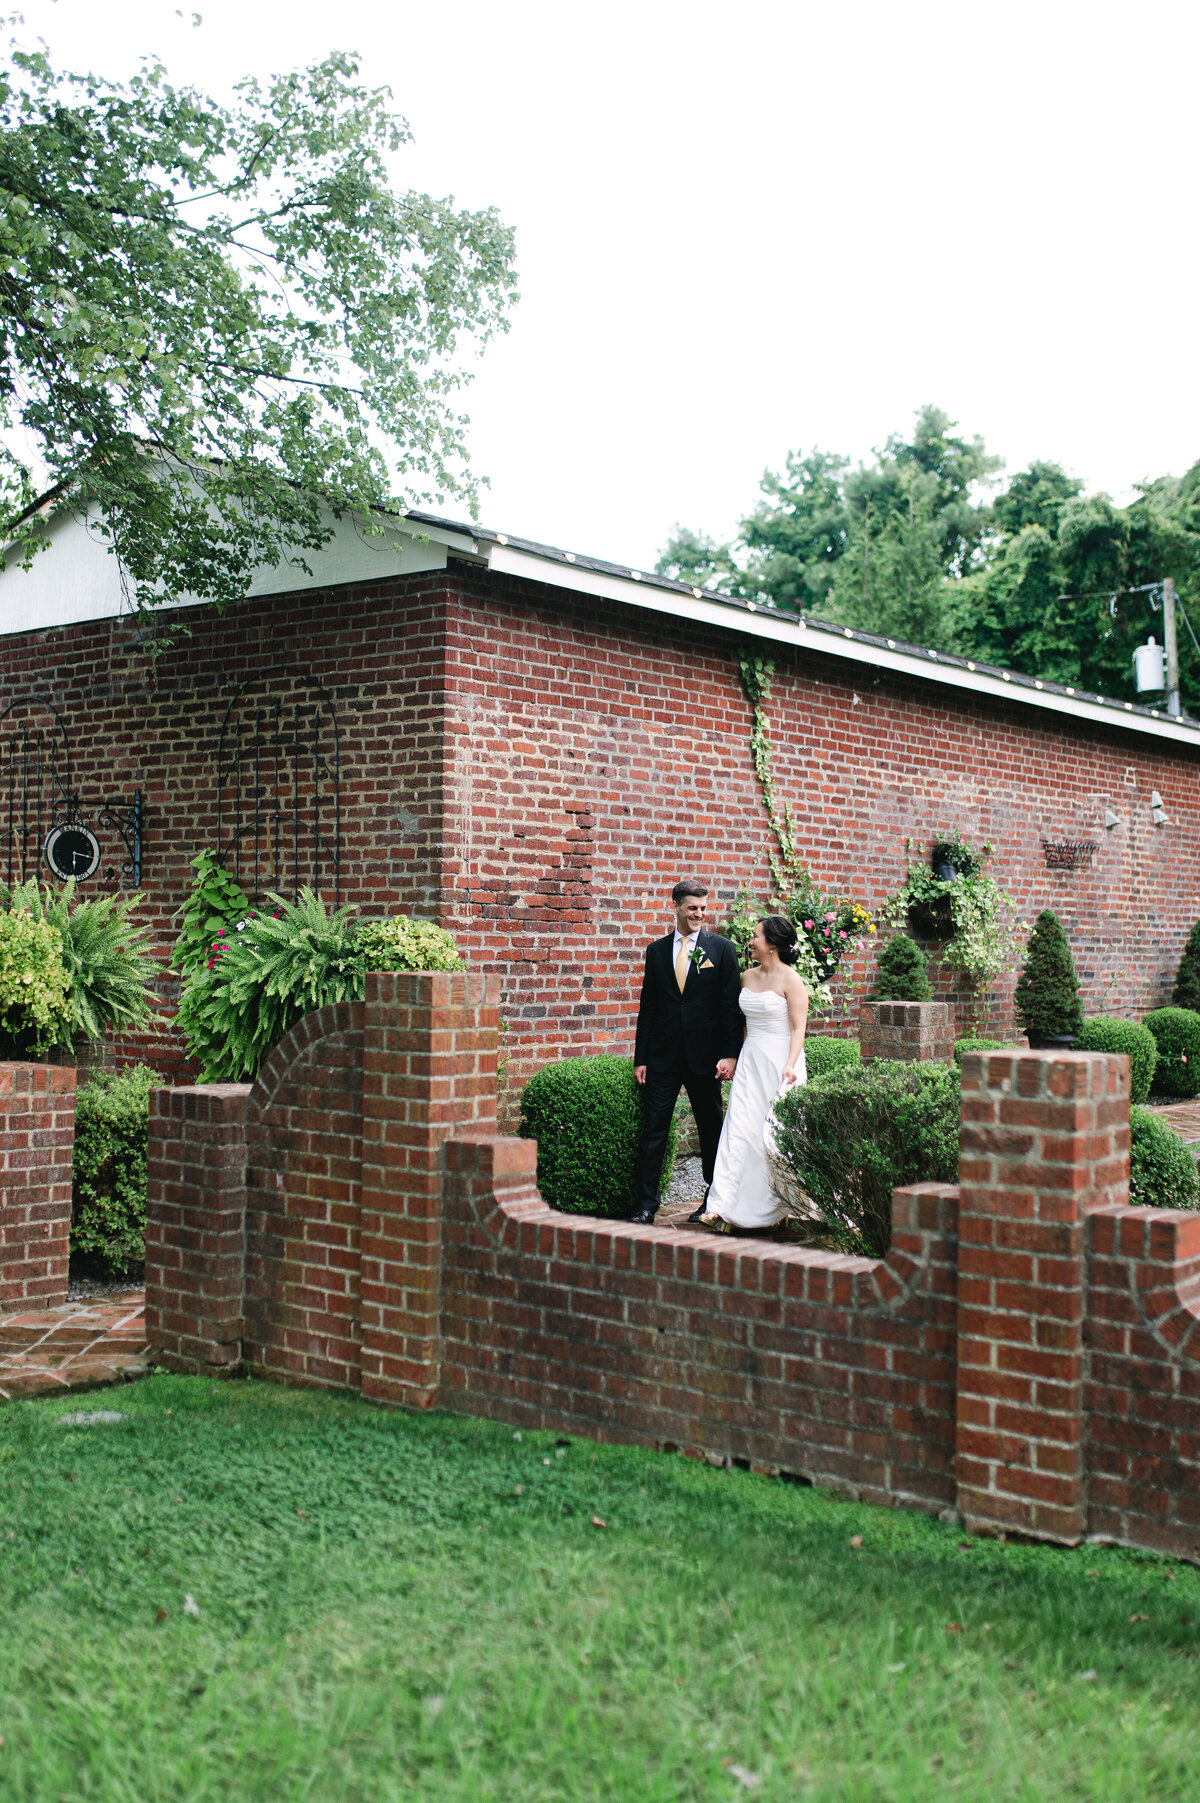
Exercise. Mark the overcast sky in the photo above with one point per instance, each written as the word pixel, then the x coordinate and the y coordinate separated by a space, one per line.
pixel 748 229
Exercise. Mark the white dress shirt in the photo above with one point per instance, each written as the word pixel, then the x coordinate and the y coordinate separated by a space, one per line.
pixel 678 940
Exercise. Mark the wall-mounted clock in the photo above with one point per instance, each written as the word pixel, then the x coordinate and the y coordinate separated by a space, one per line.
pixel 72 851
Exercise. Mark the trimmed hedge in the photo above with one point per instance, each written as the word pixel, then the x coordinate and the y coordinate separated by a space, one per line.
pixel 980 1045
pixel 1047 992
pixel 902 973
pixel 108 1198
pixel 1129 1036
pixel 853 1136
pixel 1162 1172
pixel 1177 1035
pixel 822 1054
pixel 1187 977
pixel 586 1115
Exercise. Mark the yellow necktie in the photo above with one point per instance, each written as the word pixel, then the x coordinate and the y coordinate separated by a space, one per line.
pixel 681 964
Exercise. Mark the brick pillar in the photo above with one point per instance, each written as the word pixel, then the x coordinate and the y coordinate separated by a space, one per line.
pixel 196 1227
pixel 37 1142
pixel 429 1070
pixel 913 1031
pixel 1044 1140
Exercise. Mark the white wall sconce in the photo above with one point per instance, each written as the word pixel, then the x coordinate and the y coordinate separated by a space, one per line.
pixel 1110 819
pixel 1157 812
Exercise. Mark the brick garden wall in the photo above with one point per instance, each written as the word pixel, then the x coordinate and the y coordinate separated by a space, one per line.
pixel 1028 1353
pixel 37 1136
pixel 537 767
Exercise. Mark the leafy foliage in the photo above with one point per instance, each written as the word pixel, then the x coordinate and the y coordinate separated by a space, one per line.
pixel 108 1201
pixel 912 546
pixel 902 974
pixel 823 1054
pixel 216 316
pixel 110 968
pixel 973 916
pixel 401 943
pixel 1187 978
pixel 1177 1035
pixel 586 1115
pixel 1047 992
pixel 1162 1171
pixel 853 1136
pixel 1130 1037
pixel 35 1009
pixel 971 1043
pixel 214 901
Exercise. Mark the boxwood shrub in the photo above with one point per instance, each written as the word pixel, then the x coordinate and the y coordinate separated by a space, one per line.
pixel 1177 1035
pixel 980 1045
pixel 1162 1172
pixel 822 1054
pixel 854 1135
pixel 108 1201
pixel 586 1115
pixel 1129 1036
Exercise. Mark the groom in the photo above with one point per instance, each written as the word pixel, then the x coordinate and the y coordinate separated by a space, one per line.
pixel 689 1034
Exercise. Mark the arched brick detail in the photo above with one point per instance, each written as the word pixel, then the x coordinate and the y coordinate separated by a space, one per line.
pixel 304 1202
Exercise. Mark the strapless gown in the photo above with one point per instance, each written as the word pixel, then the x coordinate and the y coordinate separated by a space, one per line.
pixel 741 1191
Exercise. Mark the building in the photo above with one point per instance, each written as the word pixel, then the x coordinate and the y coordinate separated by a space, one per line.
pixel 532 745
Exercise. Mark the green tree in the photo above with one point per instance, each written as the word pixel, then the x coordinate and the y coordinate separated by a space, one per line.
pixel 798 531
pixel 1047 992
pixel 221 322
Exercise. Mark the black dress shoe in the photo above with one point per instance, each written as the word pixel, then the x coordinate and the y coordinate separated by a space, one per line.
pixel 644 1216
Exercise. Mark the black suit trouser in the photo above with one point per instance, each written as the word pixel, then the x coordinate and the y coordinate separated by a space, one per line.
pixel 660 1092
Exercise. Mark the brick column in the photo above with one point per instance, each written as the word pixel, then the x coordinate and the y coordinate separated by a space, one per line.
pixel 429 1069
pixel 37 1143
pixel 913 1031
pixel 196 1227
pixel 1044 1140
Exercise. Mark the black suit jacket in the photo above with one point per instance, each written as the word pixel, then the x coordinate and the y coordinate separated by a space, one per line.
pixel 705 1022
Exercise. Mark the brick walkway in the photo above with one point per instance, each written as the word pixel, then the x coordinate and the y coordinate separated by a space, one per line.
pixel 1184 1119
pixel 77 1347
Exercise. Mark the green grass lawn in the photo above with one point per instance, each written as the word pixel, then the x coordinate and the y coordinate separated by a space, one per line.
pixel 385 1606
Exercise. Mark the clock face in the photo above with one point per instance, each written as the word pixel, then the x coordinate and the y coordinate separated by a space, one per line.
pixel 72 851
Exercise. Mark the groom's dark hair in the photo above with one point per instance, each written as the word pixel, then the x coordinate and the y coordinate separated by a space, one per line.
pixel 689 886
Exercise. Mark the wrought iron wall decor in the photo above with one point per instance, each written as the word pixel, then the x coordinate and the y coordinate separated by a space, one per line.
pixel 279 806
pixel 36 801
pixel 1068 854
pixel 127 822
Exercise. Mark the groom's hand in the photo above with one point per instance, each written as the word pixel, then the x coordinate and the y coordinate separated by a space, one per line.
pixel 726 1068
pixel 639 1071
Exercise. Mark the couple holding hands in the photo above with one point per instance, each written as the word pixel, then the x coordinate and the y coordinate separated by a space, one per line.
pixel 700 1021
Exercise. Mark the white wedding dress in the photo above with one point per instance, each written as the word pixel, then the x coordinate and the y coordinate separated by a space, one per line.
pixel 741 1191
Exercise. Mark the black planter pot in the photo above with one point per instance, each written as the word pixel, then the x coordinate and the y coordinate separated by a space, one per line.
pixel 933 920
pixel 1050 1042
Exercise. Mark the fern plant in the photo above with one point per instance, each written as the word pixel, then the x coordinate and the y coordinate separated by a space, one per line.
pixel 283 966
pixel 110 969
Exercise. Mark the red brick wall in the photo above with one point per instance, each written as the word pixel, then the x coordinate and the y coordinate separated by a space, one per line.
pixel 37 1136
pixel 1027 1353
pixel 538 767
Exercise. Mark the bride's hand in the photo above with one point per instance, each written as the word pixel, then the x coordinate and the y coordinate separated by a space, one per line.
pixel 789 1074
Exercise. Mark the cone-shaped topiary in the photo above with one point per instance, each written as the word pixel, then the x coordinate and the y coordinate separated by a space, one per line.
pixel 902 974
pixel 1187 978
pixel 1047 994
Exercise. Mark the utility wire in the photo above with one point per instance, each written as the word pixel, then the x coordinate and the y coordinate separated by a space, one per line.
pixel 1101 594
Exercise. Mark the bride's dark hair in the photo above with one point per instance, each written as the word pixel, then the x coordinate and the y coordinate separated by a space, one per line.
pixel 779 932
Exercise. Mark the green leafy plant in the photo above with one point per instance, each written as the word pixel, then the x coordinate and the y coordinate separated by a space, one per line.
pixel 1130 1037
pixel 1162 1172
pixel 975 919
pixel 974 1044
pixel 902 974
pixel 35 1008
pixel 954 850
pixel 586 1115
pixel 401 943
pixel 108 1199
pixel 110 968
pixel 1047 993
pixel 823 1054
pixel 214 901
pixel 1187 978
pixel 1177 1035
pixel 852 1136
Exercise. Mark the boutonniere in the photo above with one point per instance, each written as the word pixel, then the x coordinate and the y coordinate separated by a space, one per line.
pixel 699 957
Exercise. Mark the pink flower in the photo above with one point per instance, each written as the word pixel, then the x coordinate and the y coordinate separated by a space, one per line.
pixel 808 924
pixel 841 935
pixel 831 917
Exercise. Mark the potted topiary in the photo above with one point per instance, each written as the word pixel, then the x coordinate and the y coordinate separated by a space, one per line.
pixel 902 974
pixel 1047 994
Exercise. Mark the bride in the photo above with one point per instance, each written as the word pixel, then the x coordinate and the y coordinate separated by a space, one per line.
pixel 775 1004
